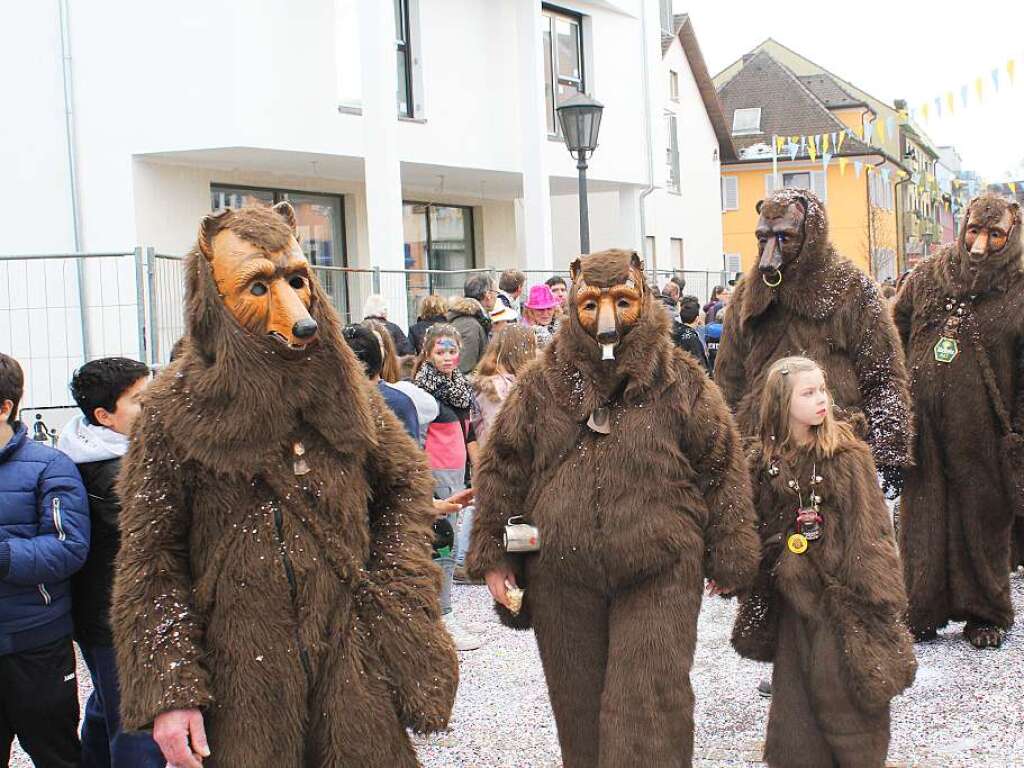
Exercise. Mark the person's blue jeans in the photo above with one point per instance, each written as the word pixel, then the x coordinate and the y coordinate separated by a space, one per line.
pixel 104 744
pixel 462 535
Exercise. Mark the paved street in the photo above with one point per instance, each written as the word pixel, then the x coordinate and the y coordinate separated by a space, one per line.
pixel 964 710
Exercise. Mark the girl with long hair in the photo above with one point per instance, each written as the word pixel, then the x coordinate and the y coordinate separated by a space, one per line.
pixel 826 608
pixel 496 373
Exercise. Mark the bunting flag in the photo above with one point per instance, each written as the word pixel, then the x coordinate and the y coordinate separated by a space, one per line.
pixel 794 147
pixel 778 144
pixel 881 130
pixel 812 150
pixel 995 79
pixel 946 103
pixel 842 165
pixel 1011 65
pixel 857 166
pixel 824 142
pixel 885 175
pixel 825 159
pixel 949 101
pixel 1013 187
pixel 978 88
pixel 890 124
pixel 963 95
pixel 834 134
pixel 842 138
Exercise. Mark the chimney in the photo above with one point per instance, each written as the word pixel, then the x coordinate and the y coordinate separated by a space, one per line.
pixel 900 104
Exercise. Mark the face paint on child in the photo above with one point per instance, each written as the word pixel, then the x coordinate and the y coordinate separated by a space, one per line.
pixel 445 355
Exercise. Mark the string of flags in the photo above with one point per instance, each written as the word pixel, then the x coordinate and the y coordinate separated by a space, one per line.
pixel 973 91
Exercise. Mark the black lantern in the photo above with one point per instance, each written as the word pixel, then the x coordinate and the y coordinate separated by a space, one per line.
pixel 580 119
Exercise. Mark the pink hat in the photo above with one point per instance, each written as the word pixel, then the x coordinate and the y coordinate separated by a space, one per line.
pixel 541 297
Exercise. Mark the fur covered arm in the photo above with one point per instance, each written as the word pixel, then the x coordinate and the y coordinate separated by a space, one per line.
pixel 729 373
pixel 866 599
pixel 712 442
pixel 399 603
pixel 157 634
pixel 882 377
pixel 503 481
pixel 903 312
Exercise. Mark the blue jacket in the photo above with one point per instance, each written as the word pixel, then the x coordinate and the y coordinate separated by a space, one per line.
pixel 44 538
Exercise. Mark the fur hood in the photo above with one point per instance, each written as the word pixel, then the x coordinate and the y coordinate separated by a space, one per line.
pixel 463 306
pixel 236 397
pixel 642 364
pixel 817 265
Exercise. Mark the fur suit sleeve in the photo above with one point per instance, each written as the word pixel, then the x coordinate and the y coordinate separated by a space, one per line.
pixel 882 377
pixel 503 481
pixel 729 373
pixel 903 312
pixel 712 443
pixel 755 630
pixel 157 636
pixel 399 604
pixel 865 598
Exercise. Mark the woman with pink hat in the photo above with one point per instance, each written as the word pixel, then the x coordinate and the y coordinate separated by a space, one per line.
pixel 539 311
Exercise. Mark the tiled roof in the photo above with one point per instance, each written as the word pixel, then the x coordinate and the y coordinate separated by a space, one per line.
pixel 828 91
pixel 788 106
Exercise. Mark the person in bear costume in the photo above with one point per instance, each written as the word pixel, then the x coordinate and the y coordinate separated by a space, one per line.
pixel 622 452
pixel 961 316
pixel 275 602
pixel 801 298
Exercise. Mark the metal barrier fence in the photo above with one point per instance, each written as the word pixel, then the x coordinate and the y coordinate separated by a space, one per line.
pixel 59 310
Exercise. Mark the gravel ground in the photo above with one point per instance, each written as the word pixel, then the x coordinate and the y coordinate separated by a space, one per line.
pixel 965 709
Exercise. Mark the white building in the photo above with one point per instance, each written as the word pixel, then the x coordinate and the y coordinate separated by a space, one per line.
pixel 128 121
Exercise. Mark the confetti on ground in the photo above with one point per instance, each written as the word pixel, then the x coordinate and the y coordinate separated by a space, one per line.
pixel 964 710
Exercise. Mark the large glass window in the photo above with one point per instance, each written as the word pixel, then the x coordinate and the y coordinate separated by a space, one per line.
pixel 320 223
pixel 405 104
pixel 437 237
pixel 562 38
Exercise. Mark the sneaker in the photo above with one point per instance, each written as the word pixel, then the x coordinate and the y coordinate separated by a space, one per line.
pixel 461 577
pixel 464 641
pixel 764 689
pixel 474 627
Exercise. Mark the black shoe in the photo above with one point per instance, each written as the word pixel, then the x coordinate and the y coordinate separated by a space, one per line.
pixel 764 689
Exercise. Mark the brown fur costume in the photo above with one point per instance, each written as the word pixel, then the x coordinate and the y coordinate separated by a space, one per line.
pixel 299 612
pixel 958 502
pixel 831 618
pixel 630 524
pixel 825 309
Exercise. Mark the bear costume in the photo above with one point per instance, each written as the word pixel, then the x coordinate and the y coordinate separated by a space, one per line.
pixel 826 309
pixel 631 520
pixel 959 500
pixel 275 570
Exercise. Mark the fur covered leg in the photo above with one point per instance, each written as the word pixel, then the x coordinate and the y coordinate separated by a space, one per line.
pixel 794 739
pixel 571 626
pixel 647 706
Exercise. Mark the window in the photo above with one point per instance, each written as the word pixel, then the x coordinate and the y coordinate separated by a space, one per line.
pixel 672 153
pixel 673 85
pixel 815 181
pixel 405 103
pixel 800 180
pixel 880 192
pixel 746 121
pixel 650 252
pixel 733 263
pixel 437 237
pixel 562 44
pixel 730 193
pixel 677 252
pixel 320 222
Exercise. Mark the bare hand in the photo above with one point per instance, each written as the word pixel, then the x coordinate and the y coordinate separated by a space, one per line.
pixel 181 737
pixel 463 498
pixel 455 502
pixel 496 581
pixel 713 589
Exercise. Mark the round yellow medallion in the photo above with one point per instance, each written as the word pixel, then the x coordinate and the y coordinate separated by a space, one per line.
pixel 797 543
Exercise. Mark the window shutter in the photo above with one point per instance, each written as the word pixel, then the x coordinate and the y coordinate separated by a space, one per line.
pixel 819 186
pixel 730 193
pixel 733 263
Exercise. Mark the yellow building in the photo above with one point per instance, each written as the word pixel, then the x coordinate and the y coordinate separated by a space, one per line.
pixel 813 131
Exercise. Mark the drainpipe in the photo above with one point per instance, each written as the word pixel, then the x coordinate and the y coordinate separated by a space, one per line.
pixel 69 137
pixel 648 133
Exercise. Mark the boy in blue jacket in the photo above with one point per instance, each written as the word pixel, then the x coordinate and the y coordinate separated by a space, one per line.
pixel 44 538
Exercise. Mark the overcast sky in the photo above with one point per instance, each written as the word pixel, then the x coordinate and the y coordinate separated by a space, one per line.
pixel 897 49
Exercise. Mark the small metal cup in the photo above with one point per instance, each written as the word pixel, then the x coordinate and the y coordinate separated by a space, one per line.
pixel 521 537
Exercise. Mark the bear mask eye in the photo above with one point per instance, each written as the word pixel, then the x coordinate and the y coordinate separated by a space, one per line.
pixel 258 289
pixel 623 303
pixel 297 282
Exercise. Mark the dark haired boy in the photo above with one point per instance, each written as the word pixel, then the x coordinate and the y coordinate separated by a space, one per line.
pixel 684 331
pixel 44 538
pixel 369 349
pixel 108 392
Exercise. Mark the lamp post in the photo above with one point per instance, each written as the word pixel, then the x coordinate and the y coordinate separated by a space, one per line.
pixel 580 118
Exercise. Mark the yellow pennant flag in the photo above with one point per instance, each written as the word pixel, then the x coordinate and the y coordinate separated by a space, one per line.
pixel 1013 187
pixel 859 132
pixel 949 101
pixel 779 140
pixel 978 87
pixel 924 110
pixel 840 140
pixel 880 129
pixel 824 143
pixel 810 149
pixel 842 166
pixel 1011 65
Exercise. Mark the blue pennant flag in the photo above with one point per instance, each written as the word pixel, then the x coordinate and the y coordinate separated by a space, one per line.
pixel 794 148
pixel 995 78
pixel 938 106
pixel 963 94
pixel 825 161
pixel 857 167
pixel 890 127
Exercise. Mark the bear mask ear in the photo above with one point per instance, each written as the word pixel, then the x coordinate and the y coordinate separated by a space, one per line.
pixel 209 226
pixel 1014 213
pixel 285 211
pixel 636 262
pixel 575 269
pixel 759 206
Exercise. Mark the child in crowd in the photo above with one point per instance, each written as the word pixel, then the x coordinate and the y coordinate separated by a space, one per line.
pixel 509 351
pixel 391 373
pixel 108 392
pixel 450 445
pixel 44 539
pixel 827 604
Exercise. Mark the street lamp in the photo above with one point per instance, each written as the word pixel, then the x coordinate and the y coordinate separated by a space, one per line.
pixel 580 118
